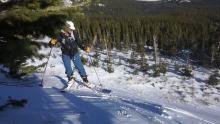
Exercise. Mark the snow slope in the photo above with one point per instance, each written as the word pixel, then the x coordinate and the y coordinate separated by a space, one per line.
pixel 135 99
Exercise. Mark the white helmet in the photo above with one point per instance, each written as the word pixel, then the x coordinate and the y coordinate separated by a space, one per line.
pixel 70 25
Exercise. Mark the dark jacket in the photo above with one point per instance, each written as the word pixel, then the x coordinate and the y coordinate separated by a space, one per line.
pixel 69 45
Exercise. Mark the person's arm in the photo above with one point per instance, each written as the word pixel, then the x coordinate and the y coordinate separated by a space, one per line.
pixel 78 41
pixel 55 40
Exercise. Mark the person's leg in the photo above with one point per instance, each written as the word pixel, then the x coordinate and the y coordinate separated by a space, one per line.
pixel 67 64
pixel 79 66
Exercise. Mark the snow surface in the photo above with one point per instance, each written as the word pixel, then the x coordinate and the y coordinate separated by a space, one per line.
pixel 135 99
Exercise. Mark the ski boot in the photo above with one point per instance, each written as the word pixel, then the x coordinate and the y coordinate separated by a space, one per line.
pixel 87 83
pixel 69 84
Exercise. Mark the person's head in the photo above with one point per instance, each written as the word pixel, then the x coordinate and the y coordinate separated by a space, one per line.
pixel 69 26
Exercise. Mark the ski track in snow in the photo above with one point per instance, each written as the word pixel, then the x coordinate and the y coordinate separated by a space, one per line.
pixel 83 106
pixel 188 114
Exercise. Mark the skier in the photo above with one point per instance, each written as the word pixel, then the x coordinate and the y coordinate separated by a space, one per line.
pixel 69 40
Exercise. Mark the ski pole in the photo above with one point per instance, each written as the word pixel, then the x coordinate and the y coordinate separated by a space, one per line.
pixel 41 84
pixel 90 60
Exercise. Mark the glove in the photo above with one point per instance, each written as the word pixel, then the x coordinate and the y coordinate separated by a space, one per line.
pixel 53 41
pixel 87 49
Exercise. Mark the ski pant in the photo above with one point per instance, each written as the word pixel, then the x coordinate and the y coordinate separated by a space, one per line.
pixel 77 63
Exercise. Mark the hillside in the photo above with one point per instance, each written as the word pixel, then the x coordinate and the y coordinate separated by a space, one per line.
pixel 158 62
pixel 136 96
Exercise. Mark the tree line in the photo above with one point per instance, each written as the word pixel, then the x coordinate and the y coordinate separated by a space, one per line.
pixel 199 35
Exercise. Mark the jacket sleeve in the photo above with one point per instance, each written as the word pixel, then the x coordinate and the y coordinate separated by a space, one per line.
pixel 59 38
pixel 78 41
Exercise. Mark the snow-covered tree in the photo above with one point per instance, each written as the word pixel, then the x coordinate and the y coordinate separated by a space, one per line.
pixel 67 3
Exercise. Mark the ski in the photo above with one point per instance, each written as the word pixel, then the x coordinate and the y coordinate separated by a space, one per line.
pixel 97 89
